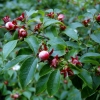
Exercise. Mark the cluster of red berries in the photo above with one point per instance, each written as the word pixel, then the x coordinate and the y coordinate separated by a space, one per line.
pixel 12 25
pixel 44 55
pixel 60 17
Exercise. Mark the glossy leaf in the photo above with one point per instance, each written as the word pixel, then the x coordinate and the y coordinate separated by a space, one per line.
pixel 86 77
pixel 27 71
pixel 42 84
pixel 57 40
pixel 49 22
pixel 75 25
pixel 45 70
pixel 33 43
pixel 59 50
pixel 8 47
pixel 95 37
pixel 74 94
pixel 53 82
pixel 13 62
pixel 72 33
pixel 90 54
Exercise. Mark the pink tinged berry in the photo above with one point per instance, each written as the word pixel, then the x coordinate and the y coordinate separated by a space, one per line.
pixel 9 25
pixel 61 17
pixel 15 96
pixel 6 19
pixel 44 55
pixel 22 33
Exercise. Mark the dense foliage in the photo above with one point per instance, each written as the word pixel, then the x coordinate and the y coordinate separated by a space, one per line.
pixel 50 50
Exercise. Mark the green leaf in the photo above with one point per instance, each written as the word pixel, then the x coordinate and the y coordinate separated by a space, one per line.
pixel 95 37
pixel 57 40
pixel 8 36
pixel 86 91
pixel 29 13
pixel 71 53
pixel 33 43
pixel 74 94
pixel 75 25
pixel 90 54
pixel 41 84
pixel 45 70
pixel 27 71
pixel 8 47
pixel 13 62
pixel 27 94
pixel 72 44
pixel 93 97
pixel 59 50
pixel 72 33
pixel 53 82
pixel 96 81
pixel 86 77
pixel 87 60
pixel 49 22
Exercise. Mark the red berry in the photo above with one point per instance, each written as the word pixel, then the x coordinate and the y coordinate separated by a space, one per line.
pixel 62 27
pixel 98 70
pixel 6 82
pixel 44 55
pixel 22 33
pixel 9 25
pixel 86 22
pixel 98 18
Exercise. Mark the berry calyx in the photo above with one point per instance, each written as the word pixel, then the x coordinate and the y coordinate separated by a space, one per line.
pixel 44 55
pixel 37 27
pixel 9 25
pixel 21 17
pixel 22 33
pixel 51 15
pixel 54 62
pixel 75 61
pixel 6 19
pixel 66 72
